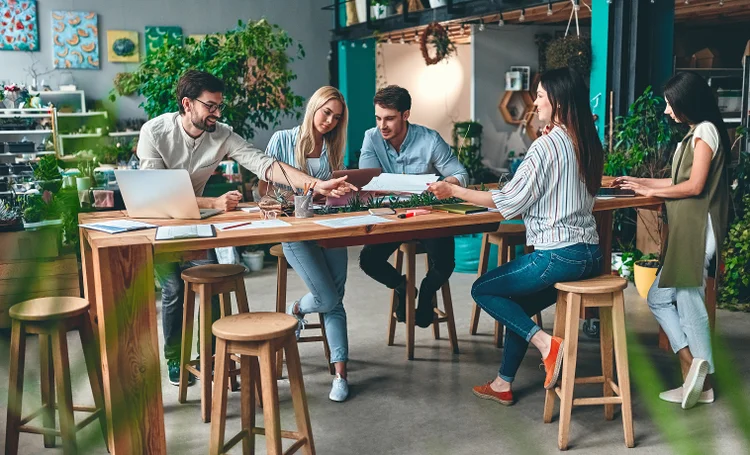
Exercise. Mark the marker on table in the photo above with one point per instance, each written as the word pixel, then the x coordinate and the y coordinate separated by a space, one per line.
pixel 237 225
pixel 411 213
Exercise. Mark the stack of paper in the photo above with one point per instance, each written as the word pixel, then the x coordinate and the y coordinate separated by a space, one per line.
pixel 352 221
pixel 400 183
pixel 184 232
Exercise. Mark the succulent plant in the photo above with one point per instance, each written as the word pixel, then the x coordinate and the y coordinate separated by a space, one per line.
pixel 9 216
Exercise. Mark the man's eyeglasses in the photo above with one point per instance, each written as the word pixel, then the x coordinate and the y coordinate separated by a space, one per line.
pixel 212 107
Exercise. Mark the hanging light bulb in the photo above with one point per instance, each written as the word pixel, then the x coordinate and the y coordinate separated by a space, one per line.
pixel 687 2
pixel 577 5
pixel 721 2
pixel 609 1
pixel 549 9
pixel 353 45
pixel 364 44
pixel 501 21
pixel 402 39
pixel 481 26
pixel 389 40
pixel 522 17
pixel 330 55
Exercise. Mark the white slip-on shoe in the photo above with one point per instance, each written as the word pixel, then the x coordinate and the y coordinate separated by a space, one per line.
pixel 675 396
pixel 693 385
pixel 339 389
pixel 672 396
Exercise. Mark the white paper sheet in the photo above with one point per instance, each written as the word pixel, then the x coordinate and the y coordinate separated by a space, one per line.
pixel 353 221
pixel 117 226
pixel 253 209
pixel 400 183
pixel 260 224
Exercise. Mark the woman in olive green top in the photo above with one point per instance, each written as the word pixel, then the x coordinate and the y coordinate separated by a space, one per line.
pixel 697 201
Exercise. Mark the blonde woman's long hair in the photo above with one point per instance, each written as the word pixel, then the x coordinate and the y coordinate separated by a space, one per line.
pixel 335 139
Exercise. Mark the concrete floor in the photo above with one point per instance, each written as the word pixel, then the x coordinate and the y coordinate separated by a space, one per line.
pixel 426 406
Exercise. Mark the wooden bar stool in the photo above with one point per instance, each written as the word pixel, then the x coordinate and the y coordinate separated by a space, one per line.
pixel 256 337
pixel 52 318
pixel 282 267
pixel 207 281
pixel 507 237
pixel 410 251
pixel 605 293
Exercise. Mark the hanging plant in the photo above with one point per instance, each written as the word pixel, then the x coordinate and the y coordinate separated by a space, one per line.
pixel 570 51
pixel 438 36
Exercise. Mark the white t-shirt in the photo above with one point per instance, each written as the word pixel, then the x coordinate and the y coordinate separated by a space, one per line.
pixel 709 134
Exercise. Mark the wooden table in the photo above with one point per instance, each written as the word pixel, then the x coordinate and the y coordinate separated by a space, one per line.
pixel 118 275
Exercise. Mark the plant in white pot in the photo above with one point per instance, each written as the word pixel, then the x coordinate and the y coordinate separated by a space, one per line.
pixel 380 8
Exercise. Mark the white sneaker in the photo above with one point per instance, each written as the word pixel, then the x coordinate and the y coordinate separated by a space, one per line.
pixel 694 383
pixel 301 322
pixel 675 396
pixel 339 389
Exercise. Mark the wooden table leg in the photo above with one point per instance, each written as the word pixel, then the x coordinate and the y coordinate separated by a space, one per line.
pixel 123 271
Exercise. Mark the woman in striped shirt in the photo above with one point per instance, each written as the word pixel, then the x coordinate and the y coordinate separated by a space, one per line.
pixel 553 190
pixel 317 147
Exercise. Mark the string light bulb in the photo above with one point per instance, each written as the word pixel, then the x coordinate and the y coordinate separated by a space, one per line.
pixel 549 9
pixel 364 44
pixel 577 5
pixel 402 39
pixel 522 17
pixel 501 21
pixel 389 40
pixel 481 26
pixel 721 2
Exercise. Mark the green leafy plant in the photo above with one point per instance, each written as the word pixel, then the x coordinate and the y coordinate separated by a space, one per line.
pixel 35 208
pixel 126 84
pixel 735 284
pixel 47 169
pixel 252 61
pixel 740 175
pixel 114 153
pixel 569 52
pixel 467 146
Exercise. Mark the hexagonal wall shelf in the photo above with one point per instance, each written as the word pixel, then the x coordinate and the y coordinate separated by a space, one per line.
pixel 514 106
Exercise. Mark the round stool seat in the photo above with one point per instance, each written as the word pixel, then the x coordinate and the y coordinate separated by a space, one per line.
pixel 260 326
pixel 509 228
pixel 277 251
pixel 212 273
pixel 49 308
pixel 598 285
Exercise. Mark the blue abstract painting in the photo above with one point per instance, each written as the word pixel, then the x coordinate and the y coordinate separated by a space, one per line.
pixel 75 40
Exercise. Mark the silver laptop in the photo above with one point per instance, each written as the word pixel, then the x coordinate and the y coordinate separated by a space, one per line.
pixel 160 193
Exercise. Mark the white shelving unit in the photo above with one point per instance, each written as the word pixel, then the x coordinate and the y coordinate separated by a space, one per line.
pixel 61 98
pixel 124 133
pixel 16 135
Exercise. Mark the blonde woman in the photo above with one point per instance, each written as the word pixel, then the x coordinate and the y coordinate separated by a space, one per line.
pixel 317 148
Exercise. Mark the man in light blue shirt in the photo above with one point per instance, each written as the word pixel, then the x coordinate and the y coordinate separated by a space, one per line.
pixel 399 147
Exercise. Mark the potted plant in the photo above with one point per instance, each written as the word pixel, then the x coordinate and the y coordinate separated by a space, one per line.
pixel 644 273
pixel 380 8
pixel 467 145
pixel 570 52
pixel 253 61
pixel 47 174
pixel 10 218
pixel 625 266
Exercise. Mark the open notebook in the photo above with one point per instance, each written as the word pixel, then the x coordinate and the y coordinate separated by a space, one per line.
pixel 185 232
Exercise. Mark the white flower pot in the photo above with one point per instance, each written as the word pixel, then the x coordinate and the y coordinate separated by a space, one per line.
pixel 380 11
pixel 253 260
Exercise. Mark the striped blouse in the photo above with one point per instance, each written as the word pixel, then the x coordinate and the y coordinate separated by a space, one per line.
pixel 549 194
pixel 281 146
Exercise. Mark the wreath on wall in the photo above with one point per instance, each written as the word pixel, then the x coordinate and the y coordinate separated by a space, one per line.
pixel 436 35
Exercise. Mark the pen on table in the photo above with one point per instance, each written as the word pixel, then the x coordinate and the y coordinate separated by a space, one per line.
pixel 237 225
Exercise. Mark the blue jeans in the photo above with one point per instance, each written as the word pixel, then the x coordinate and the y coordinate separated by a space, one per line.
pixel 324 272
pixel 523 287
pixel 173 300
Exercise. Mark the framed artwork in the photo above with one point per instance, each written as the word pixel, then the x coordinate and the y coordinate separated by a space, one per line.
pixel 122 46
pixel 18 24
pixel 75 40
pixel 157 36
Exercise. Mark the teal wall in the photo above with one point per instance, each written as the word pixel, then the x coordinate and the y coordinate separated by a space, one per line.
pixel 357 83
pixel 600 37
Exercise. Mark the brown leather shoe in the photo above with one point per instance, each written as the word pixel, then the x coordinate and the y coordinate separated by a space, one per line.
pixel 553 362
pixel 485 392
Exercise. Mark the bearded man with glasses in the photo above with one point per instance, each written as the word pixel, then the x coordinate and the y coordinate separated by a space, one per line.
pixel 195 140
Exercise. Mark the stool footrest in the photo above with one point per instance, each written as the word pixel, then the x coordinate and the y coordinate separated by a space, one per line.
pixel 311 339
pixel 38 430
pixel 590 380
pixel 24 428
pixel 235 439
pixel 596 401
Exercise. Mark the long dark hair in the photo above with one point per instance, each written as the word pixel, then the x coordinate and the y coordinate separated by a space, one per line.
pixel 693 102
pixel 569 98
